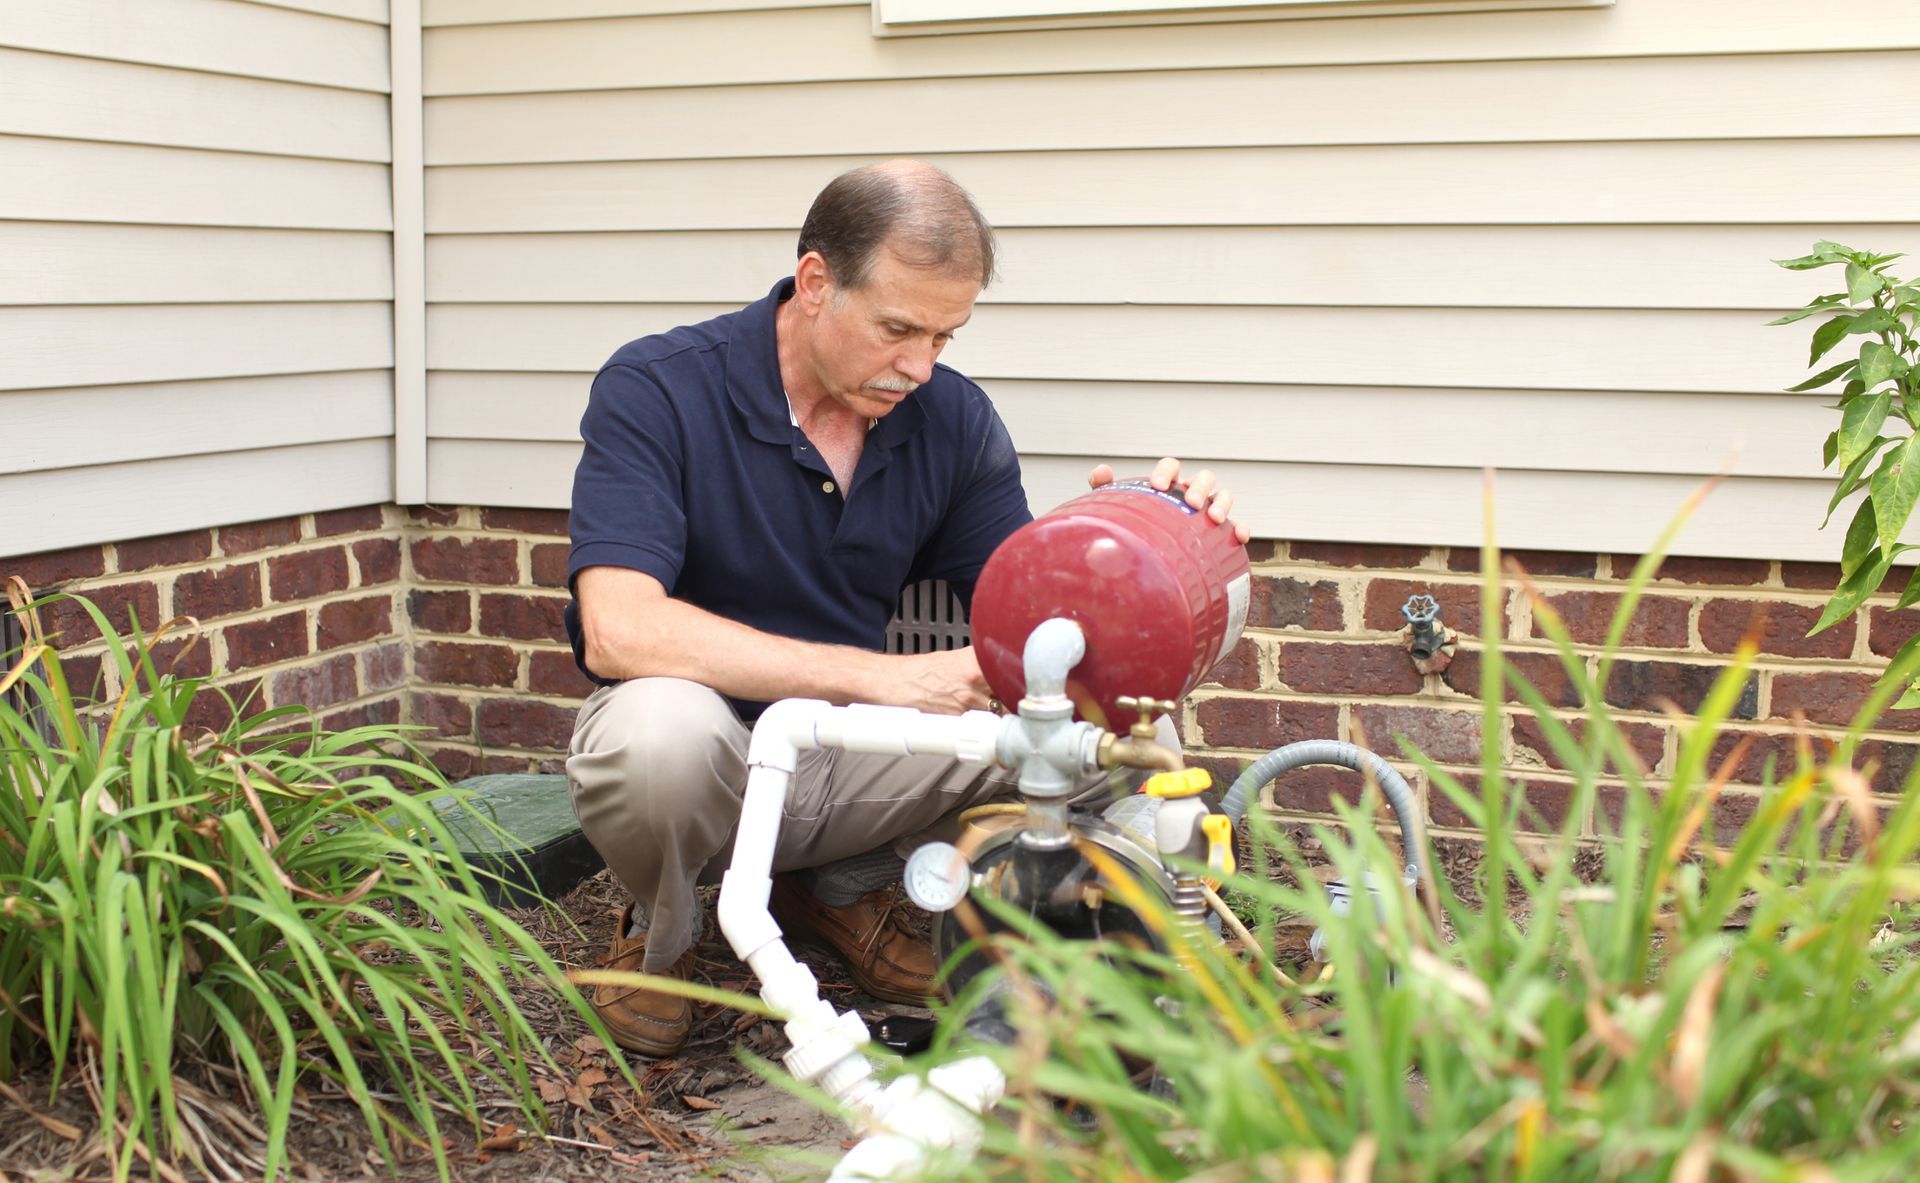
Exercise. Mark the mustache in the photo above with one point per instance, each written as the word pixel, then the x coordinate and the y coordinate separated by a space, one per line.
pixel 896 385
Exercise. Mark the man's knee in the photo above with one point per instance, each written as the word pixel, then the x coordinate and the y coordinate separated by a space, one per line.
pixel 658 747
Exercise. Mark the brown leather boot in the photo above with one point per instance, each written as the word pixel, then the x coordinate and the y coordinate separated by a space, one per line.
pixel 886 957
pixel 646 1021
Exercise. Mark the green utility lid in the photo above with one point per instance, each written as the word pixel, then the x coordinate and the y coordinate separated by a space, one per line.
pixel 542 852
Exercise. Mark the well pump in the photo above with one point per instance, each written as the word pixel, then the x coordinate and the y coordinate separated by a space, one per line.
pixel 1114 605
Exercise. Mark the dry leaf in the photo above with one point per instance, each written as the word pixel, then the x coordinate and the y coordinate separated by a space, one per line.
pixel 1690 1044
pixel 552 1091
pixel 1854 790
pixel 1694 1161
pixel 1311 1166
pixel 591 1077
pixel 503 1137
pixel 52 1124
pixel 1357 1167
pixel 599 1133
pixel 700 1103
pixel 590 1044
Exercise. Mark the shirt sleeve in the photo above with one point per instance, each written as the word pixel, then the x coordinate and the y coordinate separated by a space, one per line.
pixel 628 506
pixel 989 504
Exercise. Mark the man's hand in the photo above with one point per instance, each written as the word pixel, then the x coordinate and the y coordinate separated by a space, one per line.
pixel 1201 492
pixel 635 630
pixel 944 683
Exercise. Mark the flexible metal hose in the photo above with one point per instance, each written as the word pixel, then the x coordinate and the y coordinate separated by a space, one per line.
pixel 1400 795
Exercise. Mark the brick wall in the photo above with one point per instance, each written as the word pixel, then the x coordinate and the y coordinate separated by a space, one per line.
pixel 295 610
pixel 494 679
pixel 1323 656
pixel 450 619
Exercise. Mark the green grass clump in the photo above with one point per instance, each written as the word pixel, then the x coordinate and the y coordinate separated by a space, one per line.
pixel 271 898
pixel 1691 1011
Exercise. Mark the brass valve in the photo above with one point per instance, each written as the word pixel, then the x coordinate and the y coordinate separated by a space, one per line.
pixel 1148 708
pixel 1140 747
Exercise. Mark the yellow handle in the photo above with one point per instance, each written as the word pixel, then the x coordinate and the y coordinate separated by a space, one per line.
pixel 1218 828
pixel 1172 785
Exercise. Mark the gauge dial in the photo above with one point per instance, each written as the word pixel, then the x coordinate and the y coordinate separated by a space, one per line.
pixel 937 877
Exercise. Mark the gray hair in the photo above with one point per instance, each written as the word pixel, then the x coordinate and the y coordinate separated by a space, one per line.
pixel 913 209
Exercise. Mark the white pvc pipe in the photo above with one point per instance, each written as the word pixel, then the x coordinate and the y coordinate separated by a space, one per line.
pixel 917 1123
pixel 827 1046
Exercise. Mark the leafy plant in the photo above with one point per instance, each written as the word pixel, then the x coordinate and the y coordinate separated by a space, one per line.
pixel 1875 446
pixel 1737 1004
pixel 271 898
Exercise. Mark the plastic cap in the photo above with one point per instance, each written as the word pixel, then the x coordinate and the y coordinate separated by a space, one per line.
pixel 1184 783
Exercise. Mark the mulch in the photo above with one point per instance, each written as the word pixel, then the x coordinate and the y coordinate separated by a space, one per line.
pixel 704 1113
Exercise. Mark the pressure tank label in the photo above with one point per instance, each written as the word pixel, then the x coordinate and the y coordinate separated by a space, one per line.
pixel 1140 486
pixel 1239 591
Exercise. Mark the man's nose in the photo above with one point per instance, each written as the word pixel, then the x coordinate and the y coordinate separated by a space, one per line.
pixel 916 362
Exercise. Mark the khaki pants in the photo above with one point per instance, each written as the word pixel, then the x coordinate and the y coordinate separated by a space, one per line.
pixel 658 767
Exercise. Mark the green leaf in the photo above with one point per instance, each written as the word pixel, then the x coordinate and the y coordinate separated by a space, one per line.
pixel 1812 307
pixel 1877 363
pixel 1830 449
pixel 1824 253
pixel 1854 591
pixel 1873 320
pixel 1823 377
pixel 1860 545
pixel 1850 481
pixel 1860 425
pixel 1909 700
pixel 1893 489
pixel 1827 336
pixel 1912 593
pixel 1862 283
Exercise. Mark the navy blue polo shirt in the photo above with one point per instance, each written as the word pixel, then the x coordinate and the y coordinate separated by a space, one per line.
pixel 694 473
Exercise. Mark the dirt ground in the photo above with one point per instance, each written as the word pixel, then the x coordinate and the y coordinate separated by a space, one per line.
pixel 703 1114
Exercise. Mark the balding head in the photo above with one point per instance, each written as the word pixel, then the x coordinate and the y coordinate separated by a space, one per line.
pixel 906 206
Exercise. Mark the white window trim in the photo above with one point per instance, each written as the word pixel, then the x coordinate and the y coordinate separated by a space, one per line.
pixel 914 18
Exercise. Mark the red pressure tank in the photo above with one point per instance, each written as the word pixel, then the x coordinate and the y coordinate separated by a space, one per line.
pixel 1159 590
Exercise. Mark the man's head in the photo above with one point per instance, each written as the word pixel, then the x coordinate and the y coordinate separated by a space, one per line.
pixel 907 207
pixel 892 257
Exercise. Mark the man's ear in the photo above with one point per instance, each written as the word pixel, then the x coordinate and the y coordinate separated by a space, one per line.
pixel 812 281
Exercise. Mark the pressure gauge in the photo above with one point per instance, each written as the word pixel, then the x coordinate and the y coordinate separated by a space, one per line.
pixel 937 877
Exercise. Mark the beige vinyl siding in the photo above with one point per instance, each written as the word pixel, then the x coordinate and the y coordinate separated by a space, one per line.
pixel 1347 262
pixel 835 43
pixel 196 305
pixel 1368 266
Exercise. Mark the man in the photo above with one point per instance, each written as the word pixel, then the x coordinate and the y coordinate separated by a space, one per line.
pixel 754 493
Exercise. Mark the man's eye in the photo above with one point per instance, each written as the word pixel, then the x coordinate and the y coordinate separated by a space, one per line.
pixel 897 330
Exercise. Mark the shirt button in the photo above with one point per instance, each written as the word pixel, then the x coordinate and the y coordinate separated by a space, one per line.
pixel 826 486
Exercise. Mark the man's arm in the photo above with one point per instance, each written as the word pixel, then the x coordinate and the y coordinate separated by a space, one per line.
pixel 634 629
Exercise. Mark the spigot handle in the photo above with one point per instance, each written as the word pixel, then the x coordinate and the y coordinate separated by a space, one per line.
pixel 1148 707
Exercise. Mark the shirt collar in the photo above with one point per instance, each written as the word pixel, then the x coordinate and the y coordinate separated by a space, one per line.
pixel 754 385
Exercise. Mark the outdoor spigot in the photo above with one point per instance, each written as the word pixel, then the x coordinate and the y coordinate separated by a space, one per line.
pixel 1428 640
pixel 1139 747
